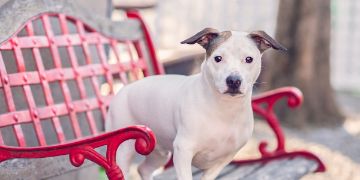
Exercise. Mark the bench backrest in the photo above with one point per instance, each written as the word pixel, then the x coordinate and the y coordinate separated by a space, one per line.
pixel 58 75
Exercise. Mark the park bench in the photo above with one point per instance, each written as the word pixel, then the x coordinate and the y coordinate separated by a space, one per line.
pixel 59 68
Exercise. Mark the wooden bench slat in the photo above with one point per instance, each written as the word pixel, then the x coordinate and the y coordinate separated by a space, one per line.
pixel 284 169
pixel 42 168
pixel 236 172
pixel 281 169
pixel 38 168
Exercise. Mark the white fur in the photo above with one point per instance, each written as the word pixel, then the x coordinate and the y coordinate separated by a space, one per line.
pixel 190 115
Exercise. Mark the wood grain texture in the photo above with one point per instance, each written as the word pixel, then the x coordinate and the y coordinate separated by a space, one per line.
pixel 47 168
pixel 281 169
pixel 33 169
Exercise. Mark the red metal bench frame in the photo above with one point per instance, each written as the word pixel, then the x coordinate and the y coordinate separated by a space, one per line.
pixel 294 99
pixel 81 147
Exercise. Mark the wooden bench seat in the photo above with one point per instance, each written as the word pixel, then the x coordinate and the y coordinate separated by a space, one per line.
pixel 288 168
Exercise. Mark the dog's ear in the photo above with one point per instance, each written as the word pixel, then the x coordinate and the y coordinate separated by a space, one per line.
pixel 264 41
pixel 203 37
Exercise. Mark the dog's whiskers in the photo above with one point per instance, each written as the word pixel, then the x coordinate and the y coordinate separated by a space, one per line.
pixel 261 83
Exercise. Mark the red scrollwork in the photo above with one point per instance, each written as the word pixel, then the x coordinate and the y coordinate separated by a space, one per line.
pixel 294 99
pixel 83 149
pixel 263 105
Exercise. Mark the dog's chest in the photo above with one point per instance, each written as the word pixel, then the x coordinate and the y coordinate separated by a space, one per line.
pixel 221 140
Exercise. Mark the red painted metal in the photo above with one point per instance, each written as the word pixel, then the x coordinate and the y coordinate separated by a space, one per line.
pixel 82 147
pixel 158 68
pixel 263 105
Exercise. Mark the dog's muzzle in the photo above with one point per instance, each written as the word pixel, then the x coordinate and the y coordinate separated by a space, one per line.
pixel 233 83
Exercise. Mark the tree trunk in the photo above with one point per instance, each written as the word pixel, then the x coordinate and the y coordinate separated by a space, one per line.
pixel 304 28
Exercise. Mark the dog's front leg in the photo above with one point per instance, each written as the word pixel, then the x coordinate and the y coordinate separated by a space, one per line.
pixel 183 154
pixel 214 171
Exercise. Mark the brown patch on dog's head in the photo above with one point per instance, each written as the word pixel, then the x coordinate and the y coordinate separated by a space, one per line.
pixel 263 41
pixel 215 43
pixel 209 39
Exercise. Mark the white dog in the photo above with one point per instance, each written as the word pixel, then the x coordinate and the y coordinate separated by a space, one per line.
pixel 203 119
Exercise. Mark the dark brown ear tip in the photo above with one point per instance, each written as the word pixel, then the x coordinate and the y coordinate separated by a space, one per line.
pixel 210 32
pixel 186 42
pixel 280 47
pixel 284 49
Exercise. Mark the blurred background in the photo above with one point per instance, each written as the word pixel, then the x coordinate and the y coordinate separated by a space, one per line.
pixel 323 41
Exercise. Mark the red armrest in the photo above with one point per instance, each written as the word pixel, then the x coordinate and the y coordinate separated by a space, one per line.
pixel 269 98
pixel 263 105
pixel 294 95
pixel 80 150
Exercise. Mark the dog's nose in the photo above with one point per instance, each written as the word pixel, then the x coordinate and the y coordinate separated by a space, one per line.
pixel 233 81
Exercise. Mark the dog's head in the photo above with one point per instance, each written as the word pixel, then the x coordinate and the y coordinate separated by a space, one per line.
pixel 233 59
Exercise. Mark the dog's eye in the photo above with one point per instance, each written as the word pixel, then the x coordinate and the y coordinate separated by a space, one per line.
pixel 248 59
pixel 218 58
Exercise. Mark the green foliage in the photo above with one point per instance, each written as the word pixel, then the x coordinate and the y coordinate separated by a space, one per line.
pixel 102 174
